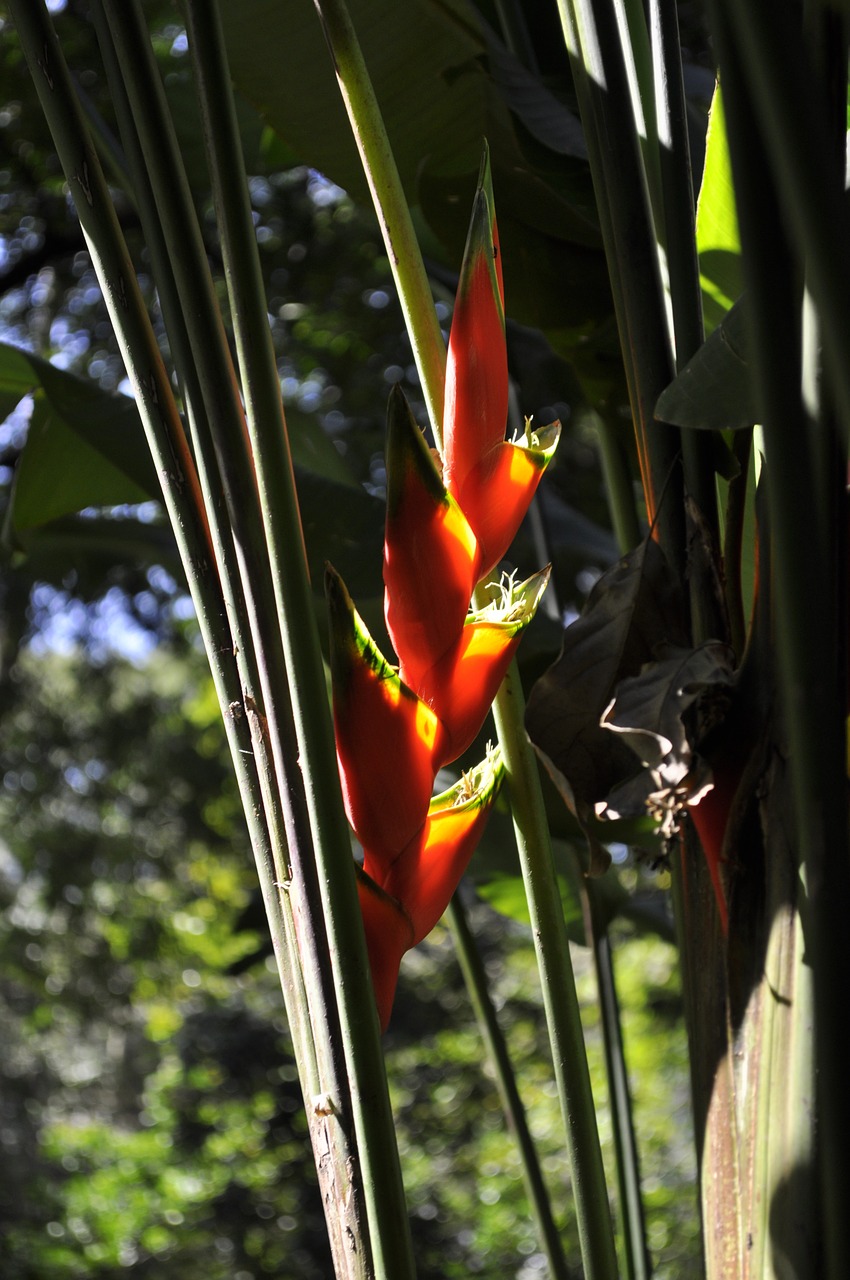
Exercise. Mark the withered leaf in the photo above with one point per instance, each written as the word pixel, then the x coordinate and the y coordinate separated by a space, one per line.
pixel 633 608
pixel 658 714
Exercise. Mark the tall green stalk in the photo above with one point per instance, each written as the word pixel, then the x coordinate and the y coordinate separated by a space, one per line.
pixel 367 126
pixel 560 1001
pixel 174 463
pixel 593 42
pixel 363 1060
pixel 491 1033
pixel 530 824
pixel 803 556
pixel 637 1260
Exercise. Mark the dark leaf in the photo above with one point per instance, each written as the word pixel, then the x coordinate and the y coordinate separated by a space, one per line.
pixel 634 607
pixel 544 116
pixel 714 390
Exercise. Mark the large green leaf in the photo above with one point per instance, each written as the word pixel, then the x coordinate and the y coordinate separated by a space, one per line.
pixel 87 448
pixel 718 244
pixel 424 69
pixel 443 82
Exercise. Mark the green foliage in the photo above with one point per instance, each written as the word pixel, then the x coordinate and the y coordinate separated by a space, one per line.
pixel 152 1122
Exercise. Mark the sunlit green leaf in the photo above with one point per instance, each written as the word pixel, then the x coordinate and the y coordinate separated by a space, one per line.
pixel 718 243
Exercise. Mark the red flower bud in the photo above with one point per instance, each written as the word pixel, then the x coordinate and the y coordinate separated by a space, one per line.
pixel 402 902
pixel 492 479
pixel 389 934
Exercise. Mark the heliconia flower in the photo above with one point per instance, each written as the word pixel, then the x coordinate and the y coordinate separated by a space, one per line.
pixel 430 552
pixel 463 683
pixel 387 739
pixel 401 901
pixel 493 479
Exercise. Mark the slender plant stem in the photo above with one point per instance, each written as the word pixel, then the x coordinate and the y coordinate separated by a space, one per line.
pixel 161 422
pixel 798 136
pixel 391 205
pixel 593 44
pixel 619 481
pixel 363 1060
pixel 265 684
pixel 638 1266
pixel 802 554
pixel 560 1001
pixel 684 284
pixel 491 1033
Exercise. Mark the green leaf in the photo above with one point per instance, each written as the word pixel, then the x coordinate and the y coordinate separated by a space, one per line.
pixel 714 390
pixel 84 447
pixel 424 68
pixel 16 378
pixel 718 244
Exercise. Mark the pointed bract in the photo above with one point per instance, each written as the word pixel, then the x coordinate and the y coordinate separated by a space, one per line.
pixel 476 404
pixel 463 684
pixel 497 491
pixel 429 870
pixel 389 933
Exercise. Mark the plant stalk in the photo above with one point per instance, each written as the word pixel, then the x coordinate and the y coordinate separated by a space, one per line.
pixel 363 1060
pixel 491 1033
pixel 391 205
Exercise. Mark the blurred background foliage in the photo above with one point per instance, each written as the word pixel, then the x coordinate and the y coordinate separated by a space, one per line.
pixel 150 1118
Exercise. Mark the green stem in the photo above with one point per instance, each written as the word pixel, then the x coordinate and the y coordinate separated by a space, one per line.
pixel 491 1033
pixel 788 101
pixel 560 1001
pixel 637 1259
pixel 685 293
pixel 593 44
pixel 391 205
pixel 619 481
pixel 813 699
pixel 159 416
pixel 230 471
pixel 372 1116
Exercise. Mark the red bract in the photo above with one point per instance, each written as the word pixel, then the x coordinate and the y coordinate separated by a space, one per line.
pixel 476 404
pixel 430 552
pixel 426 873
pixel 462 685
pixel 492 479
pixel 401 901
pixel 387 739
pixel 389 934
pixel 496 491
